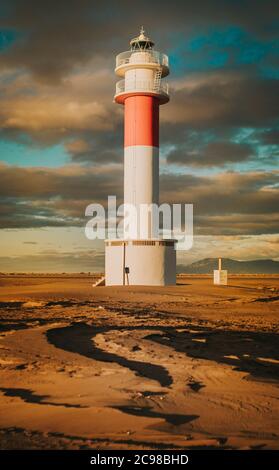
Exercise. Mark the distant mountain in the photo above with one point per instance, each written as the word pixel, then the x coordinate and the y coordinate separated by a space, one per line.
pixel 206 265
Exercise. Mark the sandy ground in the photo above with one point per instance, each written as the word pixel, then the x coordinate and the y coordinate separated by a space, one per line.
pixel 190 366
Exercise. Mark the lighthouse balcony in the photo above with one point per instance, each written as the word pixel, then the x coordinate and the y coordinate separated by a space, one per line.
pixel 141 59
pixel 126 88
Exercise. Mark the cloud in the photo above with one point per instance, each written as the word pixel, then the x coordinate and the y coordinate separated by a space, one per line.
pixel 213 154
pixel 92 259
pixel 246 224
pixel 54 261
pixel 99 147
pixel 224 193
pixel 57 80
pixel 68 182
pixel 237 247
pixel 41 197
pixel 57 36
pixel 224 99
pixel 82 103
pixel 57 85
pixel 228 202
pixel 79 112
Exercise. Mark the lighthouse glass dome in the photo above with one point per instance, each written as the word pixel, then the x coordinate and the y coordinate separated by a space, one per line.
pixel 141 42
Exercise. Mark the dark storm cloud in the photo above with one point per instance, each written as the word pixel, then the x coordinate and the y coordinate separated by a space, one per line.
pixel 56 36
pixel 213 154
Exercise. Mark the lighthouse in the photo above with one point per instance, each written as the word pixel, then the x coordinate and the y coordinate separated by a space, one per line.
pixel 142 257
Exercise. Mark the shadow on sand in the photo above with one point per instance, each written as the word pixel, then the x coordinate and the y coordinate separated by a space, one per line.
pixel 30 397
pixel 77 338
pixel 146 411
pixel 256 353
pixel 251 352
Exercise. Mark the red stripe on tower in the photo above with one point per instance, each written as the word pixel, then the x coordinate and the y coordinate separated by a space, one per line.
pixel 141 121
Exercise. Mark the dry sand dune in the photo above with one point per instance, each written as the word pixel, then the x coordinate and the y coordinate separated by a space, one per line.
pixel 190 366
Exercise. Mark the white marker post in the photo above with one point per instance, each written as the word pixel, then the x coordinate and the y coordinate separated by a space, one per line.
pixel 220 275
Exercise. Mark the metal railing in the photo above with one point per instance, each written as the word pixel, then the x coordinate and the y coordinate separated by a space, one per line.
pixel 124 86
pixel 142 57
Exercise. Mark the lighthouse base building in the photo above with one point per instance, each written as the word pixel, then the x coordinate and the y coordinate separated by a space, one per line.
pixel 140 262
pixel 146 259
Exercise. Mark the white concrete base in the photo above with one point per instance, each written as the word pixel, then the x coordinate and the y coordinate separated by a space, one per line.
pixel 149 262
pixel 220 277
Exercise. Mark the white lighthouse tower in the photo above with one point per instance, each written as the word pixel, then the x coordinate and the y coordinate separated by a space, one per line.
pixel 141 257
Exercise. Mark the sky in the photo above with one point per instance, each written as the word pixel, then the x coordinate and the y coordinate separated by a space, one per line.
pixel 61 135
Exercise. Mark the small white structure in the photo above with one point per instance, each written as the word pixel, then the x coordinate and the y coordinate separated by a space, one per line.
pixel 220 275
